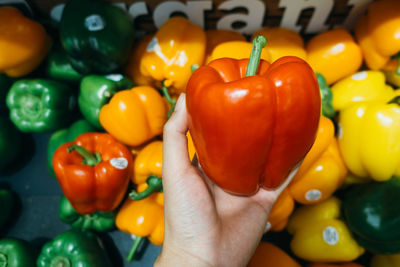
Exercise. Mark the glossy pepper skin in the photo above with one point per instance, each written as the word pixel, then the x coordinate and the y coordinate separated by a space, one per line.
pixel 381 260
pixel 268 254
pixel 144 219
pixel 74 248
pixel 7 201
pixel 377 33
pixel 236 50
pixel 372 214
pixel 96 91
pixel 40 105
pixel 168 58
pixel 97 221
pixel 227 110
pixel 58 66
pixel 322 171
pixel 369 140
pixel 94 182
pixel 134 116
pixel 10 142
pixel 147 170
pixel 97 35
pixel 282 42
pixel 334 54
pixel 17 253
pixel 364 86
pixel 65 135
pixel 216 37
pixel 280 212
pixel 320 236
pixel 24 43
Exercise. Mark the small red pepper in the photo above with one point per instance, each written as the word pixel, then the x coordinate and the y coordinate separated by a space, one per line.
pixel 93 172
pixel 250 129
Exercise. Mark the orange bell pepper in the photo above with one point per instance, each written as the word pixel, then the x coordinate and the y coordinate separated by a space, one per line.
pixel 191 148
pixel 236 50
pixel 134 116
pixel 282 42
pixel 347 264
pixel 24 43
pixel 323 170
pixel 169 56
pixel 334 54
pixel 280 212
pixel 378 33
pixel 132 69
pixel 93 172
pixel 268 254
pixel 216 37
pixel 142 218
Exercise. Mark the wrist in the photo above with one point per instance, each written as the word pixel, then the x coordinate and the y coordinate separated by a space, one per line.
pixel 174 257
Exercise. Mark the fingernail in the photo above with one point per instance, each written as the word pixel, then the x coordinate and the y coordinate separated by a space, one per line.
pixel 179 103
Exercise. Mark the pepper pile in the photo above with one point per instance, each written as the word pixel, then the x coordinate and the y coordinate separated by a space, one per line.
pixel 324 110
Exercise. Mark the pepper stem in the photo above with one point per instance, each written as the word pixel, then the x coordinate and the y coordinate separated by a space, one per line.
pixel 88 158
pixel 154 184
pixel 254 61
pixel 169 99
pixel 136 243
pixel 60 261
pixel 398 65
pixel 395 100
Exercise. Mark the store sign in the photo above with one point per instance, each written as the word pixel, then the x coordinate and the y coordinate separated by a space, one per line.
pixel 305 16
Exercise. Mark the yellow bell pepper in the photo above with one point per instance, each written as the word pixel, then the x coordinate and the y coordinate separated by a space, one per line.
pixel 323 171
pixel 134 116
pixel 334 54
pixel 216 37
pixel 169 56
pixel 347 264
pixel 369 139
pixel 378 33
pixel 282 42
pixel 24 43
pixel 142 218
pixel 237 50
pixel 320 236
pixel 385 260
pixel 280 212
pixel 364 86
pixel 268 254
pixel 132 69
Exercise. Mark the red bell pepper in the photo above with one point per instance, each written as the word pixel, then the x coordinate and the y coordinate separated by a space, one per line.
pixel 250 130
pixel 93 172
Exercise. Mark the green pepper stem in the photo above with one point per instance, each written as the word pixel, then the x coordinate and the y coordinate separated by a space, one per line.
pixel 154 184
pixel 136 243
pixel 60 261
pixel 254 61
pixel 88 158
pixel 395 100
pixel 169 99
pixel 398 65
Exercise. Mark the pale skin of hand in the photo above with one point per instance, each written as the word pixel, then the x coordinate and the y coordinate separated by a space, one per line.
pixel 204 225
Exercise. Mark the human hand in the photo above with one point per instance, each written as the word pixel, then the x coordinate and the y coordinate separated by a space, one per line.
pixel 204 225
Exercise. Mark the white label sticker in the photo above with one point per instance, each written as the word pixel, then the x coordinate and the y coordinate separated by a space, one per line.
pixel 119 163
pixel 330 235
pixel 94 23
pixel 267 227
pixel 360 76
pixel 152 45
pixel 313 195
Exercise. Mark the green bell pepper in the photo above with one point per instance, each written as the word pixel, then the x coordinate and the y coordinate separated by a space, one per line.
pixel 7 201
pixel 73 248
pixel 96 91
pixel 98 221
pixel 326 96
pixel 372 213
pixel 16 253
pixel 97 35
pixel 65 135
pixel 58 66
pixel 40 105
pixel 10 142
